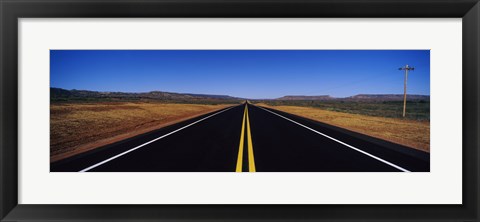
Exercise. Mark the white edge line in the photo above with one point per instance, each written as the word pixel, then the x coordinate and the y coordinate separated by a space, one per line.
pixel 338 141
pixel 151 141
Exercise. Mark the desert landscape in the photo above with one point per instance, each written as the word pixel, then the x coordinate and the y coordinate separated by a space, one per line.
pixel 84 120
pixel 240 111
pixel 411 133
pixel 374 115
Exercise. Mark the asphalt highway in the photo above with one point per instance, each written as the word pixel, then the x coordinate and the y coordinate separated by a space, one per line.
pixel 249 138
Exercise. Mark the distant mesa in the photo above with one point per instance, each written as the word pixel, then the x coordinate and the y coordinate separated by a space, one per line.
pixel 388 97
pixel 305 98
pixel 61 94
pixel 58 94
pixel 360 97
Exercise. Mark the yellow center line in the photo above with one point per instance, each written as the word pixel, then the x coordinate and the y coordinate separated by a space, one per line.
pixel 251 161
pixel 240 147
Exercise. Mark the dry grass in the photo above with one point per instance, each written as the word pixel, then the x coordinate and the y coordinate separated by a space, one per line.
pixel 412 133
pixel 79 127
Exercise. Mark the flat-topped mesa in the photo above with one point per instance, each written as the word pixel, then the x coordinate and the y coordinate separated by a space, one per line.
pixel 388 97
pixel 322 97
pixel 58 93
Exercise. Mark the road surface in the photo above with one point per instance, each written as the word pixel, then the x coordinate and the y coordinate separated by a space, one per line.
pixel 249 138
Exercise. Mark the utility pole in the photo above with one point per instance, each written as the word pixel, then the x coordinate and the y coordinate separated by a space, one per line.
pixel 406 68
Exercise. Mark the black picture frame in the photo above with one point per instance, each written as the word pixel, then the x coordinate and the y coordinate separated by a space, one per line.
pixel 11 10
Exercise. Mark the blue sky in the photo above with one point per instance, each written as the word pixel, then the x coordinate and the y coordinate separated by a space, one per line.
pixel 242 73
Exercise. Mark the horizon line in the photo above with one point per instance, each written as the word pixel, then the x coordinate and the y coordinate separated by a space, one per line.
pixel 137 92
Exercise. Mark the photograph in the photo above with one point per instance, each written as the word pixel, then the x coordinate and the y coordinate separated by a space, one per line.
pixel 249 110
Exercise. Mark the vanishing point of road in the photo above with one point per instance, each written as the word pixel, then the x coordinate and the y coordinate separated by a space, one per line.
pixel 249 138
